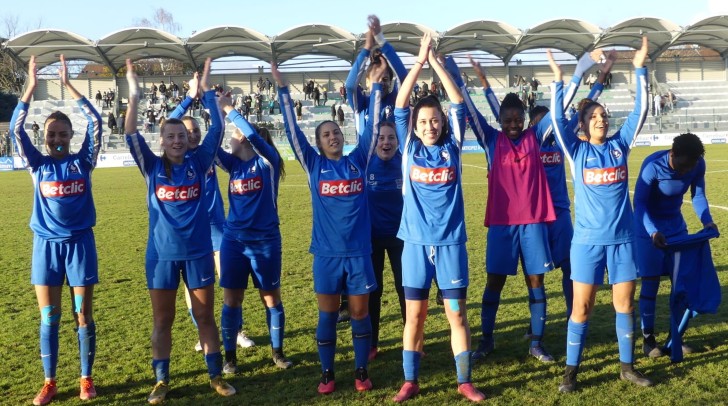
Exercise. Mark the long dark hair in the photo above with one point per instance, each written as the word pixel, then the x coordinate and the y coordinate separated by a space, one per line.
pixel 265 134
pixel 432 101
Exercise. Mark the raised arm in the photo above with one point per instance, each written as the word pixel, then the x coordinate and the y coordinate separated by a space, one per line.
pixel 192 94
pixel 452 90
pixel 388 51
pixel 23 144
pixel 213 139
pixel 484 132
pixel 567 140
pixel 632 126
pixel 305 154
pixel 368 136
pixel 354 94
pixel 63 74
pixel 140 151
pixel 403 97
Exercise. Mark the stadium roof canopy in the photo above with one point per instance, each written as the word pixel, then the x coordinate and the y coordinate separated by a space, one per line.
pixel 500 39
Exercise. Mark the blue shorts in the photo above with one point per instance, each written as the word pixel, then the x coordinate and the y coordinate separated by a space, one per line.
pixel 588 263
pixel 560 233
pixel 240 259
pixel 651 261
pixel 196 273
pixel 216 232
pixel 74 262
pixel 447 263
pixel 337 275
pixel 527 242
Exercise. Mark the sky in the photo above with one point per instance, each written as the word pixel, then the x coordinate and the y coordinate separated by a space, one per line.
pixel 97 19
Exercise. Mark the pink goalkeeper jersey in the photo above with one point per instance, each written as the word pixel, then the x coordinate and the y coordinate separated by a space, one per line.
pixel 518 192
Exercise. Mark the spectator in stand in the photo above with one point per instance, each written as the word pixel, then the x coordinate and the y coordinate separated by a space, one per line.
pixel 120 122
pixel 269 86
pixel 316 96
pixel 333 112
pixel 657 105
pixel 111 123
pixel 299 109
pixel 342 93
pixel 261 85
pixel 154 93
pixel 325 94
pixel 36 134
pixel 163 91
pixel 206 118
pixel 175 89
pixel 340 115
pixel 99 98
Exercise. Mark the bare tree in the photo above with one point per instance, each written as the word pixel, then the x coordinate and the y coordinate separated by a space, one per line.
pixel 12 74
pixel 163 20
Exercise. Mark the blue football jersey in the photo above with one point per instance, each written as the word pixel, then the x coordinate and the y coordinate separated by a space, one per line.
pixel 601 188
pixel 658 196
pixel 433 213
pixel 253 187
pixel 63 205
pixel 341 225
pixel 179 226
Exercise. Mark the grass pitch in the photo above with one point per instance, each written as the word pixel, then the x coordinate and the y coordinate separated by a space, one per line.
pixel 123 373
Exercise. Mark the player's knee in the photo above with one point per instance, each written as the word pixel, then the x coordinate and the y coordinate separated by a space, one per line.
pixel 50 315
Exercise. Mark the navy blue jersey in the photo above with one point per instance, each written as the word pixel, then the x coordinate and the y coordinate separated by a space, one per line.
pixel 253 187
pixel 384 194
pixel 341 225
pixel 212 197
pixel 179 226
pixel 601 188
pixel 694 278
pixel 658 196
pixel 433 213
pixel 63 205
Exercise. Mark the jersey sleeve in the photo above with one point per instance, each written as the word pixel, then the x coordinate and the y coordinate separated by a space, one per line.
pixel 225 160
pixel 261 147
pixel 477 121
pixel 632 126
pixel 457 124
pixel 567 140
pixel 356 97
pixel 641 197
pixel 304 152
pixel 142 154
pixel 181 108
pixel 595 92
pixel 91 145
pixel 400 72
pixel 369 134
pixel 697 192
pixel 28 153
pixel 403 125
pixel 213 139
